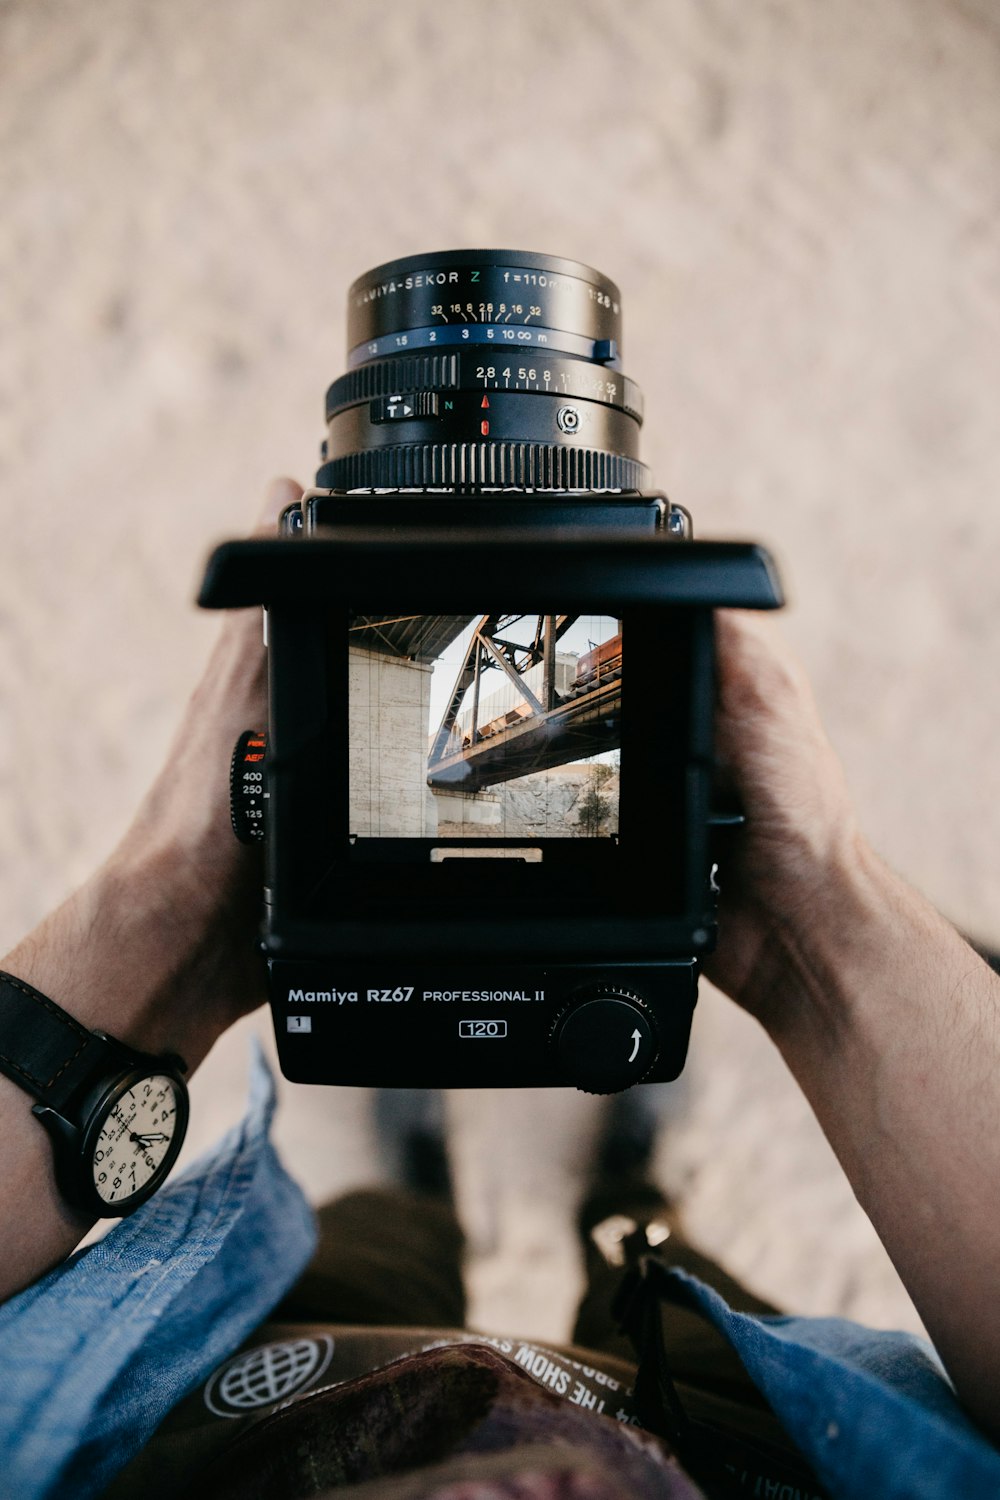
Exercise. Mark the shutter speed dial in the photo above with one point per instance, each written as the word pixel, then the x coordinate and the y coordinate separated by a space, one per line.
pixel 605 1040
pixel 247 789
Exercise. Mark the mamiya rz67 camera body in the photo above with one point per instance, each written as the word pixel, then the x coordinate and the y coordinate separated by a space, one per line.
pixel 484 790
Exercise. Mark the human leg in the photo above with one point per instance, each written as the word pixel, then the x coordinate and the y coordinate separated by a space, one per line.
pixel 390 1256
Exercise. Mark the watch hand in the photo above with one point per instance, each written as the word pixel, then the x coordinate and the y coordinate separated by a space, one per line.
pixel 148 1136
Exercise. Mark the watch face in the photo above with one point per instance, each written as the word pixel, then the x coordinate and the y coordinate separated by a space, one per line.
pixel 139 1139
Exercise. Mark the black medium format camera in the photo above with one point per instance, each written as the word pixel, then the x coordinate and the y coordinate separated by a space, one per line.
pixel 489 847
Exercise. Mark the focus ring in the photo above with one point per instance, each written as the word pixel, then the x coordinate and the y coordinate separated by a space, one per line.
pixel 466 284
pixel 515 465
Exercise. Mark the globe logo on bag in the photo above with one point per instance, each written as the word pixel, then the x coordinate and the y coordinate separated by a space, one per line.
pixel 270 1373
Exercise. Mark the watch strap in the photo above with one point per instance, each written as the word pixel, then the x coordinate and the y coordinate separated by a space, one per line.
pixel 44 1050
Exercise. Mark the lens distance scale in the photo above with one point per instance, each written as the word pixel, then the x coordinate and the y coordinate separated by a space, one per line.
pixel 554 303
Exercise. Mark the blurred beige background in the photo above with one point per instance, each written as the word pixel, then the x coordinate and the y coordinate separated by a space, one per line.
pixel 800 204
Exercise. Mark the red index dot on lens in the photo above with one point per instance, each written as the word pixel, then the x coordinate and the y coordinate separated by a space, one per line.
pixel 484 428
pixel 485 402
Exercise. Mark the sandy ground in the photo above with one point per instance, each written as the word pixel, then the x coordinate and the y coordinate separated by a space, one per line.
pixel 799 203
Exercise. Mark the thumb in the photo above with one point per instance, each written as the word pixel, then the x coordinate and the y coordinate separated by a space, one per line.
pixel 281 493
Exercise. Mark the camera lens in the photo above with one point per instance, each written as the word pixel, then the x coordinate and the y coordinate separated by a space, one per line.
pixel 483 369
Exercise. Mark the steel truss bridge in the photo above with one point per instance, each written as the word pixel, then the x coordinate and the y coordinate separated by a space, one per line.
pixel 545 728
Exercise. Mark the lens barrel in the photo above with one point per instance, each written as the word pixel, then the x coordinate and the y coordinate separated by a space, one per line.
pixel 483 369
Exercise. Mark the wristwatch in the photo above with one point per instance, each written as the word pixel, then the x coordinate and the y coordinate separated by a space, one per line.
pixel 117 1117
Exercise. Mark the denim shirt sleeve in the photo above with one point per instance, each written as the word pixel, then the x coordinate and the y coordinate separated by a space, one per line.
pixel 96 1353
pixel 872 1410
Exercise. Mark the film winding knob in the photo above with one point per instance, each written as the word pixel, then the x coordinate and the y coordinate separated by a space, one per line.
pixel 247 788
pixel 605 1041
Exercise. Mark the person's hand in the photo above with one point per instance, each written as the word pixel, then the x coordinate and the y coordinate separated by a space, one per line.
pixel 183 831
pixel 801 834
pixel 889 1021
pixel 158 946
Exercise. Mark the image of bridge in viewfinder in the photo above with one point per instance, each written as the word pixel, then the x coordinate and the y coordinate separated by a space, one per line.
pixel 563 708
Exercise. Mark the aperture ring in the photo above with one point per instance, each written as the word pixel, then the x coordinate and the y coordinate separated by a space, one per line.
pixel 390 377
pixel 515 465
pixel 484 370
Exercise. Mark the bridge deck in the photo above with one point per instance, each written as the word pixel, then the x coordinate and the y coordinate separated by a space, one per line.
pixel 587 724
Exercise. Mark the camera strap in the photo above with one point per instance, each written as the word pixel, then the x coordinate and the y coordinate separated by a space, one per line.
pixel 637 1308
pixel 728 1449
